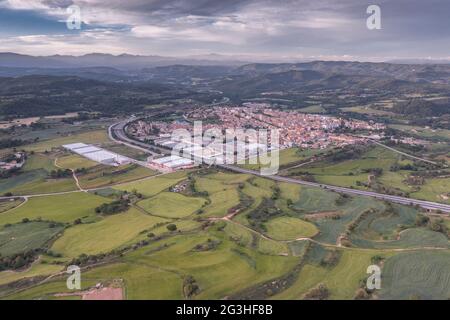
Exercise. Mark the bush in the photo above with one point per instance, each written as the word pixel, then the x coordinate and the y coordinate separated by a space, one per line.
pixel 422 220
pixel 190 287
pixel 361 294
pixel 113 207
pixel 171 227
pixel 377 259
pixel 60 173
pixel 320 292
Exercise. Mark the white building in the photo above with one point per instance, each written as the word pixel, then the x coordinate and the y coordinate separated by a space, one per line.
pixel 171 163
pixel 98 154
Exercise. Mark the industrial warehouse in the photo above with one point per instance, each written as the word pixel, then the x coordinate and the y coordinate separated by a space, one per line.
pixel 219 153
pixel 171 163
pixel 98 154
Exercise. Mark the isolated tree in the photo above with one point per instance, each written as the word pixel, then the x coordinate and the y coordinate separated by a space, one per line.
pixel 422 220
pixel 171 227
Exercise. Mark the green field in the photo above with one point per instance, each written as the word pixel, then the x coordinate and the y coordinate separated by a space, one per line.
pixel 246 237
pixel 227 256
pixel 222 202
pixel 59 208
pixel 37 269
pixel 239 234
pixel 377 157
pixel 6 205
pixel 21 237
pixel 434 190
pixel 142 281
pixel 271 247
pixel 222 192
pixel 171 205
pixel 75 161
pixel 34 178
pixel 367 110
pixel 125 151
pixel 318 201
pixel 104 235
pixel 410 238
pixel 417 275
pixel 215 270
pixel 257 190
pixel 157 273
pixel 290 191
pixel 288 228
pixel 46 291
pixel 153 186
pixel 288 157
pixel 384 225
pixel 92 137
pixel 102 175
pixel 356 173
pixel 342 280
pixel 39 161
pixel 313 109
pixel 17 181
pixel 44 185
pixel 437 134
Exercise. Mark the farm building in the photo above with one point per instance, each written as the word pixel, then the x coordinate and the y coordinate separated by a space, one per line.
pixel 98 154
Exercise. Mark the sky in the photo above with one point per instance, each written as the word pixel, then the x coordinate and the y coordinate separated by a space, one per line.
pixel 275 30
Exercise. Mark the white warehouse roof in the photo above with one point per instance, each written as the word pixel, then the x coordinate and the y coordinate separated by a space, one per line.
pixel 97 154
pixel 87 149
pixel 100 156
pixel 179 162
pixel 166 159
pixel 74 146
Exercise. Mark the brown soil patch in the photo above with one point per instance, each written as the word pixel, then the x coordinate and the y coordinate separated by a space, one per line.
pixel 106 293
pixel 97 293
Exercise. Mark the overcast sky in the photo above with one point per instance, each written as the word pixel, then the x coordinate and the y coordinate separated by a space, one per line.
pixel 275 29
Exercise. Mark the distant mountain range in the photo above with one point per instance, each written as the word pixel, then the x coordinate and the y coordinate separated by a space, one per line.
pixel 410 72
pixel 123 61
pixel 126 67
pixel 420 61
pixel 129 61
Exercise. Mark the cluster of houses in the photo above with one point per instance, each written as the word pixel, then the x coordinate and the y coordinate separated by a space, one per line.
pixel 13 161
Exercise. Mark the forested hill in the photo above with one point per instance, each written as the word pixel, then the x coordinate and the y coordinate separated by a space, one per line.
pixel 39 95
pixel 423 108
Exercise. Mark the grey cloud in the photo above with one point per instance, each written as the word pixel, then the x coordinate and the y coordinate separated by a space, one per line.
pixel 290 27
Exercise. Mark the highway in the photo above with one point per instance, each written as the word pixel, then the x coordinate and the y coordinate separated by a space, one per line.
pixel 407 201
pixel 118 130
pixel 117 134
pixel 400 152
